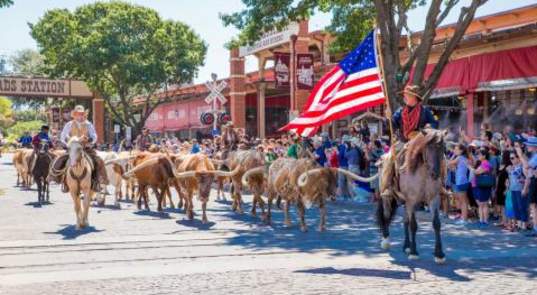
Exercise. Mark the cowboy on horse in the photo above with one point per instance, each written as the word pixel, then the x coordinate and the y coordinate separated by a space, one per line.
pixel 407 122
pixel 39 139
pixel 80 127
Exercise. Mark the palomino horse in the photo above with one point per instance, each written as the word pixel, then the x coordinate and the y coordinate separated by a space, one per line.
pixel 421 180
pixel 40 171
pixel 78 179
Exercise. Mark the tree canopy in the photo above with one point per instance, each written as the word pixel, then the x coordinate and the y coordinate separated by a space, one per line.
pixel 123 51
pixel 27 62
pixel 353 19
pixel 6 3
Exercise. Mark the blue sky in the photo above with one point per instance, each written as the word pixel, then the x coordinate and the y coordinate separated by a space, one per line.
pixel 201 15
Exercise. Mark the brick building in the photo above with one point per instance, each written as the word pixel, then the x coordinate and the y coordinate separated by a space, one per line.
pixel 491 77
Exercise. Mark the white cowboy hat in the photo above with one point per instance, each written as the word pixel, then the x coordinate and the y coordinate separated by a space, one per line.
pixel 78 109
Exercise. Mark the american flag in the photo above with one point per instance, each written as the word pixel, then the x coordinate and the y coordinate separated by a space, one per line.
pixel 353 85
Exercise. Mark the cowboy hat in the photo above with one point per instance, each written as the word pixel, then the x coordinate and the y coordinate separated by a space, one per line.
pixel 412 90
pixel 79 109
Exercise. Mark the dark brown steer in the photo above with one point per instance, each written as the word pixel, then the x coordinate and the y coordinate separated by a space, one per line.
pixel 153 172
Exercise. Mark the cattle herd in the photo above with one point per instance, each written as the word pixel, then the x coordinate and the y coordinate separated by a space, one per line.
pixel 135 174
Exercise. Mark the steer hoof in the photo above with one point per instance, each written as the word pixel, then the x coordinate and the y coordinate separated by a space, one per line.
pixel 385 243
pixel 439 260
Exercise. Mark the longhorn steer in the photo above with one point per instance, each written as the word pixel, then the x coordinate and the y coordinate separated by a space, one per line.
pixel 196 172
pixel 154 172
pixel 282 183
pixel 243 161
pixel 317 185
pixel 22 165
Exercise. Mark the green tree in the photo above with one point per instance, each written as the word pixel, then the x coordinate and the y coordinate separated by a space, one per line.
pixel 27 62
pixel 5 3
pixel 352 19
pixel 125 52
pixel 16 131
pixel 6 113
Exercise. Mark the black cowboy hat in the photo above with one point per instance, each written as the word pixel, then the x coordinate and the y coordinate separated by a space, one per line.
pixel 45 127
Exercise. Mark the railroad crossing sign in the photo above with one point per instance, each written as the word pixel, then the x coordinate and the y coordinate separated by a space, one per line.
pixel 216 92
pixel 214 96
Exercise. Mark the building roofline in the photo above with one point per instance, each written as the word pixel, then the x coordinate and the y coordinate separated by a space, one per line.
pixel 484 17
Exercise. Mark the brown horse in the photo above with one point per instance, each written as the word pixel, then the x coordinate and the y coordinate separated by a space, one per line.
pixel 40 170
pixel 421 179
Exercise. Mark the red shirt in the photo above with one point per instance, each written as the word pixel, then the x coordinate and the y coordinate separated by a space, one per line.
pixel 333 160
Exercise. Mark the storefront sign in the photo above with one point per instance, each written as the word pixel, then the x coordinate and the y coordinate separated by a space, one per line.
pixel 282 72
pixel 16 86
pixel 270 39
pixel 304 71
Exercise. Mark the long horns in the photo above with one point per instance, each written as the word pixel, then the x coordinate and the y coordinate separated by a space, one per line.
pixel 118 160
pixel 144 164
pixel 247 174
pixel 214 172
pixel 303 178
pixel 357 177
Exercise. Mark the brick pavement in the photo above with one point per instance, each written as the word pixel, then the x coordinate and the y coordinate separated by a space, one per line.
pixel 131 252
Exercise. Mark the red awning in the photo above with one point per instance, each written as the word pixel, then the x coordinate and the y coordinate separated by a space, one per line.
pixel 474 73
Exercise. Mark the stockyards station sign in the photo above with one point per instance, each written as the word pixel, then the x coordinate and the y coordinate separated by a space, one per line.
pixel 18 86
pixel 270 39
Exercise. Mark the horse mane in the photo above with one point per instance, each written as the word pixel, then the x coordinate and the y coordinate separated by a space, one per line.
pixel 415 149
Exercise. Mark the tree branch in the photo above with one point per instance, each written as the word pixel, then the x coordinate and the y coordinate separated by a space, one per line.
pixel 426 43
pixel 449 5
pixel 465 19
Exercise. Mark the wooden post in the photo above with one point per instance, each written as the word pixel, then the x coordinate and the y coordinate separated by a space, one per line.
pixel 98 117
pixel 384 88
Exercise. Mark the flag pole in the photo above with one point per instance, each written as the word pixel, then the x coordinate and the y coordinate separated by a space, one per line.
pixel 384 88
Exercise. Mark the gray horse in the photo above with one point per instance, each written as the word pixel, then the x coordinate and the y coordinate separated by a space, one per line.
pixel 421 180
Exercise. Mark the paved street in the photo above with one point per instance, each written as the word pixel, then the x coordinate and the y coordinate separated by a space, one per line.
pixel 136 252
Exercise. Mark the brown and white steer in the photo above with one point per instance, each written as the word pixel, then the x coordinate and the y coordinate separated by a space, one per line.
pixel 242 161
pixel 196 172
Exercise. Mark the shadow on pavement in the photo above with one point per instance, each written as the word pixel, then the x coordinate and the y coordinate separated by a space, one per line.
pixel 360 272
pixel 195 223
pixel 34 204
pixel 69 232
pixel 155 214
pixel 351 229
pixel 109 207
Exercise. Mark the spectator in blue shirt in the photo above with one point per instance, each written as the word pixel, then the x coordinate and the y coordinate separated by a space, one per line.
pixel 342 185
pixel 320 156
pixel 26 140
pixel 195 147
